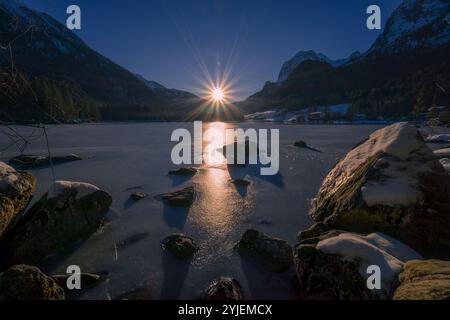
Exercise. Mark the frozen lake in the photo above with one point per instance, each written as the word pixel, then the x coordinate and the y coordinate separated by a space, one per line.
pixel 122 156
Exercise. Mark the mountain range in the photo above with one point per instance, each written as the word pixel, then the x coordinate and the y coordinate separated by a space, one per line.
pixel 47 73
pixel 405 71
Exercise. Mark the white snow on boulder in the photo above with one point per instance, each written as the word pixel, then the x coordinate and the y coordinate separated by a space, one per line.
pixel 404 155
pixel 82 188
pixel 438 138
pixel 375 249
pixel 446 164
pixel 442 153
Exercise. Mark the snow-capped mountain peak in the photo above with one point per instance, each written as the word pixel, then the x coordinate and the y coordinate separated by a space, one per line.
pixel 415 23
pixel 311 55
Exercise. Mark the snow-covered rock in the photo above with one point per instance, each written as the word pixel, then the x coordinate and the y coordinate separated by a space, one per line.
pixel 442 153
pixel 438 138
pixel 311 55
pixel 393 183
pixel 336 265
pixel 446 164
pixel 81 189
pixel 374 249
pixel 68 212
pixel 16 190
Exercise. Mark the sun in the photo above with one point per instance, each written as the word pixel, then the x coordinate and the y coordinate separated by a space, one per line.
pixel 217 94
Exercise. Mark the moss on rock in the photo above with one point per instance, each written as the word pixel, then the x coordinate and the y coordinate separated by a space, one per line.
pixel 22 282
pixel 424 280
pixel 16 191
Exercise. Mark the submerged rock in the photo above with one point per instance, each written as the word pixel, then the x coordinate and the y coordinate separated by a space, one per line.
pixel 224 288
pixel 180 245
pixel 300 144
pixel 182 198
pixel 273 254
pixel 65 214
pixel 190 171
pixel 131 240
pixel 16 191
pixel 241 182
pixel 250 148
pixel 424 280
pixel 392 183
pixel 88 280
pixel 137 196
pixel 335 267
pixel 25 161
pixel 22 282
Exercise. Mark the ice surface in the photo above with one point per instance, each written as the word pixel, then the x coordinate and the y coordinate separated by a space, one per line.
pixel 123 158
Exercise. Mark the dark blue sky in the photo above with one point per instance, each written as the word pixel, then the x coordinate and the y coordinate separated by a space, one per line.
pixel 176 42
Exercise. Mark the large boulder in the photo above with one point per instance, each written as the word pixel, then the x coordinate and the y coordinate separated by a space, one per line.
pixel 335 265
pixel 392 183
pixel 274 255
pixel 68 212
pixel 16 190
pixel 424 280
pixel 22 282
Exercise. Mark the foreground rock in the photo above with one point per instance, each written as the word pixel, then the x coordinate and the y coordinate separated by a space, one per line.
pixel 180 245
pixel 274 255
pixel 392 183
pixel 22 282
pixel 137 196
pixel 184 171
pixel 424 280
pixel 224 288
pixel 32 161
pixel 65 214
pixel 300 144
pixel 182 198
pixel 334 266
pixel 16 190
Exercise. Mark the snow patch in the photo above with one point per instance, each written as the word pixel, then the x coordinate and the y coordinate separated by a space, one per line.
pixel 375 249
pixel 403 156
pixel 438 138
pixel 83 189
pixel 442 153
pixel 446 164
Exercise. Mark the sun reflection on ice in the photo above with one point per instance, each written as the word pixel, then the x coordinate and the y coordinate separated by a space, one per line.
pixel 220 208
